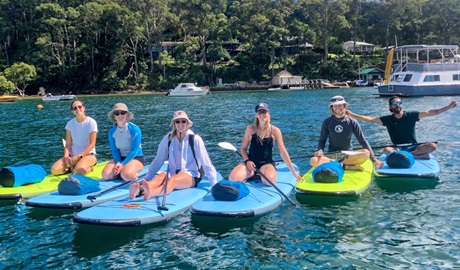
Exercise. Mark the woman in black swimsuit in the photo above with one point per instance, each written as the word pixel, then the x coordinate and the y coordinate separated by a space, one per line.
pixel 260 138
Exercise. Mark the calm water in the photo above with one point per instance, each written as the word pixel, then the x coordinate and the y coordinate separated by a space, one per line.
pixel 381 230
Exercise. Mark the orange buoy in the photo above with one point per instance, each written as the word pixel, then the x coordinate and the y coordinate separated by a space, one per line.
pixel 40 106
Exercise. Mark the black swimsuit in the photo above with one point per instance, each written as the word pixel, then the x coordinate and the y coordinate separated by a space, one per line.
pixel 260 150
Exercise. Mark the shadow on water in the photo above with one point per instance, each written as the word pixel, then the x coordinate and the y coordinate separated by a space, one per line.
pixel 406 184
pixel 91 241
pixel 321 200
pixel 212 226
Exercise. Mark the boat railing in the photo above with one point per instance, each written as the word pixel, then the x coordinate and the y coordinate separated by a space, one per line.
pixel 427 67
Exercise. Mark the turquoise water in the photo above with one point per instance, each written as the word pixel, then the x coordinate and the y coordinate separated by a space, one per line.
pixel 381 230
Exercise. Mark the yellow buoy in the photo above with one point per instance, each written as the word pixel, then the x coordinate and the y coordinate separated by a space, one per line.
pixel 40 106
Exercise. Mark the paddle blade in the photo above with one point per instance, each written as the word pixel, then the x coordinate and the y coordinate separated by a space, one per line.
pixel 227 146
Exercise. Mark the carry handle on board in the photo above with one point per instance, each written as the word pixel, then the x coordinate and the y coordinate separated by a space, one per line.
pixel 229 146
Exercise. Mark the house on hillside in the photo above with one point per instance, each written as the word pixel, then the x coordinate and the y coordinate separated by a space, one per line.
pixel 361 47
pixel 371 74
pixel 285 78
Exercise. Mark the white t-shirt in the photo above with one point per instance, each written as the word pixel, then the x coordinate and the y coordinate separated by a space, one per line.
pixel 80 134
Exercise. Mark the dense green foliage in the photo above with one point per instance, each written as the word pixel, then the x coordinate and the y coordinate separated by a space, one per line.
pixel 106 45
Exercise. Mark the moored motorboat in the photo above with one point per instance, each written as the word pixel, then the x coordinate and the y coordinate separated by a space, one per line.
pixel 187 90
pixel 260 200
pixel 50 97
pixel 8 98
pixel 353 184
pixel 422 70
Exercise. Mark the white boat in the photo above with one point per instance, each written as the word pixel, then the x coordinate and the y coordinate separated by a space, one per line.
pixel 187 90
pixel 50 97
pixel 287 88
pixel 422 70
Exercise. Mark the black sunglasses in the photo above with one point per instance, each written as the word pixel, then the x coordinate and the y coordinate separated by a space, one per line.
pixel 336 99
pixel 77 107
pixel 117 113
pixel 181 121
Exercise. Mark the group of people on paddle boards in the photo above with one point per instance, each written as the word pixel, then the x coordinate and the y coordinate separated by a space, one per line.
pixel 188 159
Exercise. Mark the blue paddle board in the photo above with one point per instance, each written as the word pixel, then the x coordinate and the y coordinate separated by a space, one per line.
pixel 115 188
pixel 423 168
pixel 424 174
pixel 125 212
pixel 260 200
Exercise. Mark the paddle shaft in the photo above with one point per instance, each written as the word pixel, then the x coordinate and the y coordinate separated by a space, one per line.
pixel 163 202
pixel 401 145
pixel 93 197
pixel 271 183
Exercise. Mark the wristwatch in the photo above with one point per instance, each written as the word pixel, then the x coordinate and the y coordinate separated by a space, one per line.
pixel 80 156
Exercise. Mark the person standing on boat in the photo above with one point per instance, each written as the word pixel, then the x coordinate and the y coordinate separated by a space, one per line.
pixel 260 138
pixel 186 154
pixel 125 143
pixel 80 145
pixel 401 126
pixel 338 129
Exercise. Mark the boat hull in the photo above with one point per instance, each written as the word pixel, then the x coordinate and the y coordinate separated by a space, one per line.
pixel 188 93
pixel 422 90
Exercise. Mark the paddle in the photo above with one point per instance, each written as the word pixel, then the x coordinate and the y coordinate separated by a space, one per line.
pixel 401 145
pixel 346 152
pixel 93 197
pixel 163 203
pixel 229 146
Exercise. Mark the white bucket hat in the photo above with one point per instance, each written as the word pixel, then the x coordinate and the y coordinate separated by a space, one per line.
pixel 337 100
pixel 181 115
pixel 120 107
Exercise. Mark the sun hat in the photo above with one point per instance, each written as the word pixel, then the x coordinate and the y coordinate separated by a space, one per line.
pixel 262 106
pixel 337 100
pixel 119 107
pixel 181 115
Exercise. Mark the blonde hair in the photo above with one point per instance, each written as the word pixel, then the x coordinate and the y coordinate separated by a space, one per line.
pixel 174 131
pixel 257 124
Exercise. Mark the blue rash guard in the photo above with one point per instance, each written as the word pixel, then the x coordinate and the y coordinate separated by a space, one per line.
pixel 125 143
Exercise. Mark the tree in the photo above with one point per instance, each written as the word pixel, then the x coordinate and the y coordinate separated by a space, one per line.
pixel 20 75
pixel 6 87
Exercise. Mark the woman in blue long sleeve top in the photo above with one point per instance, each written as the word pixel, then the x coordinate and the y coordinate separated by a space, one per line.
pixel 125 143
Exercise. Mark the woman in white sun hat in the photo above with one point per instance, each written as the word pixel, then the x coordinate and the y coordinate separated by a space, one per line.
pixel 338 129
pixel 125 144
pixel 186 154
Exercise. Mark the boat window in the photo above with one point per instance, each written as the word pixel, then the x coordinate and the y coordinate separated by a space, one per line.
pixel 408 77
pixel 394 78
pixel 432 78
pixel 456 77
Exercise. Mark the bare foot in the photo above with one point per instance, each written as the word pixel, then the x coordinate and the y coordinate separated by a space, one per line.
pixel 352 167
pixel 146 187
pixel 133 190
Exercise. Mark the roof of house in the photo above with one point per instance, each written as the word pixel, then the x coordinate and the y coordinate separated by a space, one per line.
pixel 370 70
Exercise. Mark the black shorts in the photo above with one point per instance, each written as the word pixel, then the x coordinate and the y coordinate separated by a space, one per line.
pixel 138 158
pixel 197 179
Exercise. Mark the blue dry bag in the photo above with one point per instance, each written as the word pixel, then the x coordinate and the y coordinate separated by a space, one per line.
pixel 18 176
pixel 76 184
pixel 400 159
pixel 226 190
pixel 330 172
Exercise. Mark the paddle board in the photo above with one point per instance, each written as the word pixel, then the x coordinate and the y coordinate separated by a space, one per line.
pixel 50 183
pixel 423 174
pixel 261 199
pixel 57 201
pixel 353 184
pixel 126 212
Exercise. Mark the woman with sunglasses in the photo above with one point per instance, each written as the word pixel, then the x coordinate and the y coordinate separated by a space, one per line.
pixel 80 146
pixel 125 143
pixel 260 138
pixel 184 157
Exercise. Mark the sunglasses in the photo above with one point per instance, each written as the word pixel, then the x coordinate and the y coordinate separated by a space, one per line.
pixel 397 103
pixel 336 99
pixel 181 121
pixel 117 113
pixel 77 107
